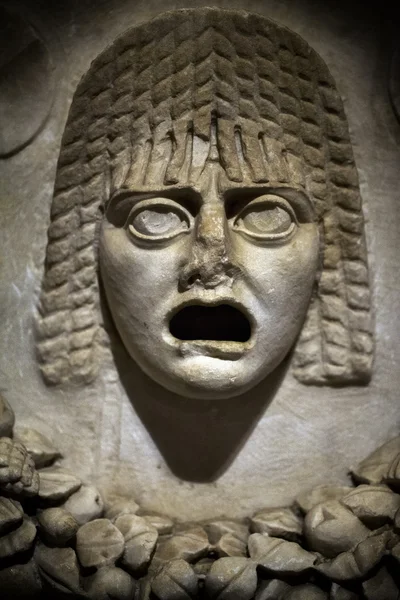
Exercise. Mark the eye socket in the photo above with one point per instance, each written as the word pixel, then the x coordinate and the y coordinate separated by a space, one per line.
pixel 158 219
pixel 266 218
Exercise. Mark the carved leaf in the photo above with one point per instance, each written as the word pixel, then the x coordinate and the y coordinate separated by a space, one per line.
pixel 140 542
pixel 278 522
pixel 99 543
pixel 39 446
pixel 373 505
pixel 279 557
pixel 232 578
pixel 190 545
pixel 331 528
pixel 376 467
pixel 176 580
pixel 11 515
pixel 58 568
pixel 19 540
pixel 57 484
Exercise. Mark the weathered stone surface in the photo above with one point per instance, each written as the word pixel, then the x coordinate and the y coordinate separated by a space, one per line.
pixel 190 545
pixel 59 569
pixel 19 540
pixel 322 493
pixel 340 593
pixel 163 524
pixel 99 543
pixel 306 592
pixel 376 467
pixel 232 578
pixel 57 484
pixel 7 418
pixel 121 506
pixel 18 475
pixel 176 580
pixel 272 589
pixel 330 528
pixel 39 446
pixel 381 587
pixel 111 583
pixel 279 557
pixel 373 505
pixel 230 545
pixel 357 563
pixel 140 543
pixel 86 504
pixel 278 522
pixel 20 582
pixel 57 526
pixel 11 515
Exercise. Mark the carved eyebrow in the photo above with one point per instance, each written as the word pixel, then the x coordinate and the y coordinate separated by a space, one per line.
pixel 299 200
pixel 122 200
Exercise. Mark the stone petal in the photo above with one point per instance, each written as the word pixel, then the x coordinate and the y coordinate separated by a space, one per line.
pixel 111 583
pixel 340 593
pixel 140 543
pixel 373 505
pixel 273 589
pixel 176 580
pixel 164 525
pixel 19 540
pixel 11 515
pixel 99 543
pixel 278 522
pixel 381 586
pixel 39 446
pixel 232 578
pixel 230 545
pixel 322 493
pixel 375 468
pixel 57 526
pixel 20 582
pixel 279 557
pixel 57 484
pixel 306 592
pixel 121 506
pixel 330 528
pixel 190 545
pixel 58 568
pixel 85 505
pixel 359 562
pixel 216 529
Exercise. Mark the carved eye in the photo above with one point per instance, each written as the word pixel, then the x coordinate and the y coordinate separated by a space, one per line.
pixel 158 219
pixel 266 218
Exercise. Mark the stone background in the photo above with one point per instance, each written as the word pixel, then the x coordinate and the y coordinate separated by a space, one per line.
pixel 187 460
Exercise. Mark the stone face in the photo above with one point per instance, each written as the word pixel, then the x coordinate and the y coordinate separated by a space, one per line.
pixel 57 526
pixel 99 543
pixel 190 545
pixel 111 583
pixel 57 484
pixel 39 446
pixel 140 542
pixel 176 580
pixel 85 505
pixel 279 557
pixel 373 505
pixel 278 522
pixel 19 540
pixel 59 569
pixel 330 528
pixel 232 578
pixel 11 515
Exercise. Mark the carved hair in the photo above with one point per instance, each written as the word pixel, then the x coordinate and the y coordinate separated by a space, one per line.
pixel 279 118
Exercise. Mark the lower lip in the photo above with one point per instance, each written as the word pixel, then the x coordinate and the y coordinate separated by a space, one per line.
pixel 212 348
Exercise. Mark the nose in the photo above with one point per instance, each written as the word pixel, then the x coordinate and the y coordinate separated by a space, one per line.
pixel 208 264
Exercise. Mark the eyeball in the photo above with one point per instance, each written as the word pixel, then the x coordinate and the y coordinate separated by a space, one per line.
pixel 158 219
pixel 266 218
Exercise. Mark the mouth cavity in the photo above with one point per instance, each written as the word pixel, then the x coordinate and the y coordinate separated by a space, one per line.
pixel 212 323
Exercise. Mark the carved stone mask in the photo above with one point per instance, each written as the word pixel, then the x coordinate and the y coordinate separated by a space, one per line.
pixel 203 154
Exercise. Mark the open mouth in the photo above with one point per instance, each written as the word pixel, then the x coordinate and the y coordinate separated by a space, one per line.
pixel 221 323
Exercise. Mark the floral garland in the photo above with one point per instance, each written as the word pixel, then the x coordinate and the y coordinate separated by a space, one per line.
pixel 58 539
